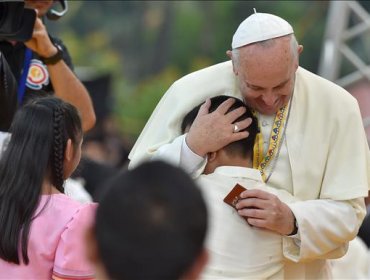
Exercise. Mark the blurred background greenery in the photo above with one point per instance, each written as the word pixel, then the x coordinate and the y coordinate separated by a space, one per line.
pixel 147 45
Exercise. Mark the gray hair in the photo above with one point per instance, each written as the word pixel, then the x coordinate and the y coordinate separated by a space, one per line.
pixel 267 44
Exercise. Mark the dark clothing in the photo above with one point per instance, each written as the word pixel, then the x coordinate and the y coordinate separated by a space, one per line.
pixel 364 232
pixel 8 95
pixel 95 175
pixel 38 75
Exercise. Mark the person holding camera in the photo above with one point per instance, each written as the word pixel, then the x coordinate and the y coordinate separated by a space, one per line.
pixel 47 64
pixel 24 45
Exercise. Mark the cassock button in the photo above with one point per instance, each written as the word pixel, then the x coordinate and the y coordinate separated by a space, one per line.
pixel 264 123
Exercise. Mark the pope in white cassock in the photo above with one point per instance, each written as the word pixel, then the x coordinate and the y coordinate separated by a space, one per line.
pixel 313 143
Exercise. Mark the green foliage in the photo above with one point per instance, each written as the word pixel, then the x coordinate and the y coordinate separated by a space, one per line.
pixel 135 104
pixel 98 55
pixel 188 18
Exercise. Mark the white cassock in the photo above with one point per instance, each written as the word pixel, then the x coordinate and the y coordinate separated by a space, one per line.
pixel 324 161
pixel 355 264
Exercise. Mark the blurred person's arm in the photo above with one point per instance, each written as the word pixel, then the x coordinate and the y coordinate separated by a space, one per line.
pixel 65 83
pixel 67 87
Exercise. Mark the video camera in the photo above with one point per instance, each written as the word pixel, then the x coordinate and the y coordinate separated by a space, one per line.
pixel 17 22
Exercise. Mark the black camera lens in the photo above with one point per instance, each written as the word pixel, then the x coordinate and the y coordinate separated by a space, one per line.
pixel 16 22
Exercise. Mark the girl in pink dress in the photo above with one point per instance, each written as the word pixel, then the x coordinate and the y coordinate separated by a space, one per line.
pixel 42 230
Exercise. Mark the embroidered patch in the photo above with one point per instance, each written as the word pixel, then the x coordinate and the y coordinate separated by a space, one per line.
pixel 38 75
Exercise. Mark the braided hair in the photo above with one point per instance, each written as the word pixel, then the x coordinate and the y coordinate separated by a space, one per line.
pixel 40 131
pixel 58 149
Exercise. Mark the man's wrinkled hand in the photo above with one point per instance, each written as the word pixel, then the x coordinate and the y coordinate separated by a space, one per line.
pixel 212 131
pixel 266 211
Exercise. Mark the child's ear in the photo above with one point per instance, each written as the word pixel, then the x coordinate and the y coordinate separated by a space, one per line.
pixel 211 156
pixel 68 154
